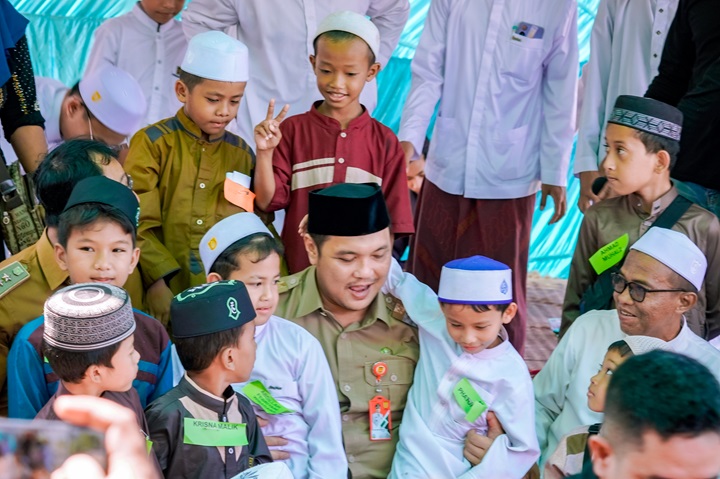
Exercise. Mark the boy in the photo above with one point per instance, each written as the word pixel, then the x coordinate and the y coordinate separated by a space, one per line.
pixel 290 362
pixel 151 28
pixel 336 141
pixel 202 428
pixel 642 138
pixel 570 455
pixel 96 243
pixel 179 167
pixel 467 367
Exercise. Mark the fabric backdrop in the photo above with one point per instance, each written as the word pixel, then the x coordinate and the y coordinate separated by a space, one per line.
pixel 60 36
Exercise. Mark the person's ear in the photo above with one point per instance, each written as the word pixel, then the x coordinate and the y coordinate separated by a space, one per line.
pixel 135 259
pixel 687 302
pixel 227 359
pixel 662 161
pixel 181 91
pixel 509 313
pixel 312 61
pixel 73 107
pixel 312 249
pixel 61 257
pixel 601 454
pixel 373 71
pixel 93 373
pixel 214 277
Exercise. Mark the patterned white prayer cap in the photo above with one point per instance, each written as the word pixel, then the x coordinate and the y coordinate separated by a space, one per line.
pixel 475 280
pixel 226 232
pixel 216 56
pixel 355 23
pixel 644 344
pixel 271 470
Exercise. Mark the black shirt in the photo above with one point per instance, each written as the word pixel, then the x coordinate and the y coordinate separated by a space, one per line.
pixel 689 78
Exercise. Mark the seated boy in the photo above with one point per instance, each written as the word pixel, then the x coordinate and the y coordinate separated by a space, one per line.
pixel 179 168
pixel 643 139
pixel 150 27
pixel 96 243
pixel 290 363
pixel 336 141
pixel 571 453
pixel 467 367
pixel 202 428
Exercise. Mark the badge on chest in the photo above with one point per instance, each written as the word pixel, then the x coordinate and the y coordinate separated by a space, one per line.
pixel 379 408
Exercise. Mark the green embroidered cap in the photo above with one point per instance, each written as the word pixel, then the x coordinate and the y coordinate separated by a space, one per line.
pixel 210 308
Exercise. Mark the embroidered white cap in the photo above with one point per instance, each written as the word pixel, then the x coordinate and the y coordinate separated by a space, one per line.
pixel 115 98
pixel 475 280
pixel 644 344
pixel 270 470
pixel 216 56
pixel 355 23
pixel 226 232
pixel 676 251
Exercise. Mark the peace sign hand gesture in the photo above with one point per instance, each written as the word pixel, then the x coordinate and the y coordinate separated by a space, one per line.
pixel 267 133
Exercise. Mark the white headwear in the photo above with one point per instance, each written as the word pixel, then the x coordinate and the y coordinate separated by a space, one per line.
pixel 475 280
pixel 676 251
pixel 225 233
pixel 115 98
pixel 352 22
pixel 645 344
pixel 216 56
pixel 271 470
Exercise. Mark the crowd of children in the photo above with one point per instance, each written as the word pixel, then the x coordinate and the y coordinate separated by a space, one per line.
pixel 161 284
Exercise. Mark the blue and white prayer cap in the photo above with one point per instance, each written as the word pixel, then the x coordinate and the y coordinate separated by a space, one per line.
pixel 270 470
pixel 216 56
pixel 676 251
pixel 226 232
pixel 475 280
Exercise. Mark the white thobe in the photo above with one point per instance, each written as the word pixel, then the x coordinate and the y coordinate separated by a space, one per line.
pixel 433 430
pixel 291 364
pixel 279 35
pixel 151 53
pixel 507 106
pixel 625 49
pixel 561 386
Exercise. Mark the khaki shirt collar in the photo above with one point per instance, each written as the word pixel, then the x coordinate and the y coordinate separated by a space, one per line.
pixel 191 128
pixel 45 250
pixel 658 206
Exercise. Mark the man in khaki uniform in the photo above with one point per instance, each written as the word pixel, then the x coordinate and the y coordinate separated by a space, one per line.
pixel 371 351
pixel 28 278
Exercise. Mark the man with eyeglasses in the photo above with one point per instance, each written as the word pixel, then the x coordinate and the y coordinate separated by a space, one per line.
pixel 107 105
pixel 656 285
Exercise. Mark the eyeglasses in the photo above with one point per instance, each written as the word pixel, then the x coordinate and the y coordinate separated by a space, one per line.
pixel 637 292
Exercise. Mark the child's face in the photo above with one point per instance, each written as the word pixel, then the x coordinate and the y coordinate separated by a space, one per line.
pixel 162 11
pixel 628 166
pixel 342 69
pixel 211 104
pixel 244 353
pixel 475 331
pixel 416 174
pixel 98 253
pixel 599 383
pixel 124 367
pixel 261 280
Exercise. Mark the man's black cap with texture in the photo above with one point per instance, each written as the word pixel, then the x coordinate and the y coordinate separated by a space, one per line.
pixel 100 189
pixel 646 114
pixel 210 308
pixel 348 209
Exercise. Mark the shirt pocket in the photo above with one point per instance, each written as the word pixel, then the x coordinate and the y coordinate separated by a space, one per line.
pixel 522 60
pixel 448 144
pixel 454 424
pixel 507 158
pixel 395 383
pixel 286 393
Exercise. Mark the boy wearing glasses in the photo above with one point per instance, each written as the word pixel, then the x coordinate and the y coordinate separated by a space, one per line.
pixel 642 143
pixel 653 291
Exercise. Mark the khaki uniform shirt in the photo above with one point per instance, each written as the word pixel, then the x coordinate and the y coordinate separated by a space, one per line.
pixel 351 353
pixel 21 302
pixel 180 178
pixel 610 219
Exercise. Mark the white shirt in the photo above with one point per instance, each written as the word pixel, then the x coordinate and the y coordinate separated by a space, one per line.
pixel 151 53
pixel 561 386
pixel 433 430
pixel 291 364
pixel 625 49
pixel 507 108
pixel 279 35
pixel 50 94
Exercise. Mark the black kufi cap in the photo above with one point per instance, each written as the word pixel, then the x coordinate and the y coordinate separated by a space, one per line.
pixel 348 209
pixel 100 189
pixel 646 114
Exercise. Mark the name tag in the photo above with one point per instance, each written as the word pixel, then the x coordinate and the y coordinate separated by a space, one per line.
pixel 200 432
pixel 469 400
pixel 258 393
pixel 610 254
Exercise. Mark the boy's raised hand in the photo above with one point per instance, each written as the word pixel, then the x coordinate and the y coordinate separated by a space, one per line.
pixel 267 133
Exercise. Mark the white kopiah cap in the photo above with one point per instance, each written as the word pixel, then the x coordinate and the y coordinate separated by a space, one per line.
pixel 475 280
pixel 351 22
pixel 225 233
pixel 216 56
pixel 115 98
pixel 645 344
pixel 676 251
pixel 271 470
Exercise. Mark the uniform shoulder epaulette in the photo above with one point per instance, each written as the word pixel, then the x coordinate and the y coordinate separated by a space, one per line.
pixel 287 283
pixel 12 276
pixel 397 310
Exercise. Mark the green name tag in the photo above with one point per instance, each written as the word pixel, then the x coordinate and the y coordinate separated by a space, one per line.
pixel 469 400
pixel 257 393
pixel 610 254
pixel 148 445
pixel 200 432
